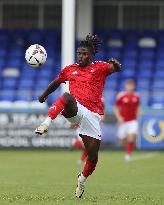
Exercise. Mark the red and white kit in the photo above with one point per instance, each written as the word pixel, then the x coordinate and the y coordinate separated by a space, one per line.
pixel 128 104
pixel 86 84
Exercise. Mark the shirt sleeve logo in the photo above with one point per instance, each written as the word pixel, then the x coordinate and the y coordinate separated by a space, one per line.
pixel 53 107
pixel 92 70
pixel 74 73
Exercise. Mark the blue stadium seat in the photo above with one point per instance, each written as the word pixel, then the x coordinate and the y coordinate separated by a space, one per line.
pixel 23 97
pixel 149 33
pixel 130 54
pixel 35 36
pixel 160 63
pixel 143 85
pixel 157 100
pixel 143 73
pixel 121 84
pixel 109 98
pixel 158 84
pixel 52 38
pixel 115 33
pixel 51 33
pixel 26 84
pixel 101 55
pixel 7 95
pixel 146 65
pixel 129 64
pixel 160 33
pixel 130 46
pixel 156 78
pixel 113 52
pixel 114 76
pixel 4 31
pixel 128 73
pixel 146 53
pixel 101 32
pixel 42 84
pixel 44 73
pixel 144 97
pixel 3 52
pixel 2 62
pixel 28 71
pixel 50 62
pixel 9 83
pixel 159 55
pixel 16 52
pixel 159 73
pixel 111 84
pixel 54 96
pixel 4 38
pixel 14 62
pixel 131 33
pixel 18 35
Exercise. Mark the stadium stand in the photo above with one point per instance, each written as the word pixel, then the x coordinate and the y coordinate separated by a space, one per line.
pixel 140 52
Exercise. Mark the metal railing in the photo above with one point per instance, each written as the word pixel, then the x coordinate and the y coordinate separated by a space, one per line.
pixel 147 14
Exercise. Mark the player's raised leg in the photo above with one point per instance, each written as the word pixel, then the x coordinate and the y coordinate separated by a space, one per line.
pixel 92 147
pixel 66 103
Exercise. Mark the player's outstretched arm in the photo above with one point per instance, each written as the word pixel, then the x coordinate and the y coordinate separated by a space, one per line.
pixel 51 88
pixel 115 66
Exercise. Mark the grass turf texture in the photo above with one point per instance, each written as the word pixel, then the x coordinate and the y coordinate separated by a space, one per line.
pixel 49 177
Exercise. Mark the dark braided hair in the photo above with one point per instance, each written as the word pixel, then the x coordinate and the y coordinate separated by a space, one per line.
pixel 92 43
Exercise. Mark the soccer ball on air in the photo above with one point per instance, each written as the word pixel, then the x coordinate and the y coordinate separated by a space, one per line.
pixel 36 55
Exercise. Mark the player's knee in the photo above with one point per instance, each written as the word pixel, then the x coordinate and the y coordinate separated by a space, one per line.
pixel 67 96
pixel 131 138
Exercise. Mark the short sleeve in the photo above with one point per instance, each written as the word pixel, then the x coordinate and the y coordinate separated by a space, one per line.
pixel 105 67
pixel 62 77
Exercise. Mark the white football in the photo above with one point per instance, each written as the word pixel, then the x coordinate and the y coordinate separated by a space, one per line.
pixel 36 55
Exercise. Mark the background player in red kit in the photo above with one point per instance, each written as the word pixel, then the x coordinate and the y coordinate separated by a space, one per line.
pixel 127 108
pixel 84 104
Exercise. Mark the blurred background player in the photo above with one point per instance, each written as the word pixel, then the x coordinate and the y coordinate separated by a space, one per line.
pixel 127 108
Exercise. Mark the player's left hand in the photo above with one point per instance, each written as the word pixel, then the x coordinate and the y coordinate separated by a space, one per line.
pixel 116 64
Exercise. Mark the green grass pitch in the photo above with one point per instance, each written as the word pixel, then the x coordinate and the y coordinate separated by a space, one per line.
pixel 49 177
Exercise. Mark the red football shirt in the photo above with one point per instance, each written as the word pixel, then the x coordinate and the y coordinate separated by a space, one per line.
pixel 86 83
pixel 128 104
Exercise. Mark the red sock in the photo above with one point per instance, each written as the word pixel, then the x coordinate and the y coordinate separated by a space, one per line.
pixel 88 168
pixel 84 155
pixel 56 107
pixel 129 148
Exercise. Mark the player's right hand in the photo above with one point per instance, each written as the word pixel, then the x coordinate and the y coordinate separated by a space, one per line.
pixel 42 98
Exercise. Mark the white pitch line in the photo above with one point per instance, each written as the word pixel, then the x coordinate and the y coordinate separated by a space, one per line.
pixel 144 156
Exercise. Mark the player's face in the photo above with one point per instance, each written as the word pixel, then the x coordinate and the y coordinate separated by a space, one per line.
pixel 83 56
pixel 129 87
